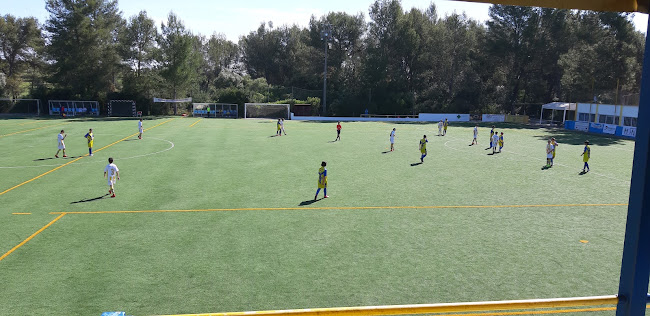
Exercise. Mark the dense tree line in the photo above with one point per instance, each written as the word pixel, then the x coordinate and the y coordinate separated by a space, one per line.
pixel 399 62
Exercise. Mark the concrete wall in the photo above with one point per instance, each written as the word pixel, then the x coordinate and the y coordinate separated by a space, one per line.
pixel 597 128
pixel 423 117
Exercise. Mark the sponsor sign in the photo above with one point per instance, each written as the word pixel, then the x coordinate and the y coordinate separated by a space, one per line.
pixel 494 117
pixel 581 126
pixel 596 126
pixel 629 131
pixel 159 100
pixel 609 129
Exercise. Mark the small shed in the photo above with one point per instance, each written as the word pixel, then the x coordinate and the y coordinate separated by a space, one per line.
pixel 302 109
pixel 557 106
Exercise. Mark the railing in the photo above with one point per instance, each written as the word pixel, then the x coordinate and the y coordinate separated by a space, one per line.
pixel 529 305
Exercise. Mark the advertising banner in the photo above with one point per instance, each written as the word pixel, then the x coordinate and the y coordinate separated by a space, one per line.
pixel 494 118
pixel 609 129
pixel 596 126
pixel 629 131
pixel 582 126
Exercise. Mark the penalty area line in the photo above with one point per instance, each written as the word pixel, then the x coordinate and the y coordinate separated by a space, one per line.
pixel 195 122
pixel 343 208
pixel 32 236
pixel 33 129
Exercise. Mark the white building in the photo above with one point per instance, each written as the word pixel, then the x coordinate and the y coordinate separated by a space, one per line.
pixel 621 115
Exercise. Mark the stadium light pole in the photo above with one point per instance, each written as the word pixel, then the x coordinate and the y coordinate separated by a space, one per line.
pixel 325 35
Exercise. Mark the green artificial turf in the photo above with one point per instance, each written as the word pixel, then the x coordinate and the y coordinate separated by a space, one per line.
pixel 328 253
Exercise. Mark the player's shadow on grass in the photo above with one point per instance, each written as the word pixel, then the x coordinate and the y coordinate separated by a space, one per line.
pixel 582 173
pixel 332 141
pixel 547 167
pixel 416 164
pixel 309 202
pixel 90 200
pixel 385 152
pixel 276 135
pixel 41 159
pixel 130 140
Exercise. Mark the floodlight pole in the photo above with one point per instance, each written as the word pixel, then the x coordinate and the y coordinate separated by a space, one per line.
pixel 635 267
pixel 325 34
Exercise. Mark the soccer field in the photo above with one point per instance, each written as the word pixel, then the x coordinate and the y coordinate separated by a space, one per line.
pixel 217 215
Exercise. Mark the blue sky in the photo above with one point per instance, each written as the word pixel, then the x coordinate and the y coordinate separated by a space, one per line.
pixel 237 18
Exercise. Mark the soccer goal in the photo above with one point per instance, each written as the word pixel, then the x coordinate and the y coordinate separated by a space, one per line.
pixel 20 106
pixel 225 110
pixel 73 108
pixel 266 110
pixel 122 108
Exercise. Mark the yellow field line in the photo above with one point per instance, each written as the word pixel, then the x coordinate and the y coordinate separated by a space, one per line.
pixel 195 122
pixel 41 175
pixel 32 236
pixel 33 129
pixel 342 208
pixel 555 311
pixel 72 161
pixel 21 213
pixel 444 308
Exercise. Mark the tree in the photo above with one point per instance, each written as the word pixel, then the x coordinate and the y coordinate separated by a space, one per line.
pixel 178 58
pixel 20 44
pixel 83 46
pixel 510 33
pixel 220 55
pixel 345 58
pixel 138 42
pixel 260 50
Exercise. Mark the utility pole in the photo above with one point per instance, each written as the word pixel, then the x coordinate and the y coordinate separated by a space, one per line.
pixel 325 35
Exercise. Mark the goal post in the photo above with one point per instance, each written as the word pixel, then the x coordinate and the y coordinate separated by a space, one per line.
pixel 20 106
pixel 267 110
pixel 224 110
pixel 124 108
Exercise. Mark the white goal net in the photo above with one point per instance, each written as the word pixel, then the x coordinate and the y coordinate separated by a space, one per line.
pixel 266 110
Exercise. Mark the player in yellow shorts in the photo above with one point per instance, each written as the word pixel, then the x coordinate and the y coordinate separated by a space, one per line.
pixel 586 154
pixel 89 136
pixel 501 142
pixel 279 131
pixel 444 127
pixel 423 147
pixel 322 181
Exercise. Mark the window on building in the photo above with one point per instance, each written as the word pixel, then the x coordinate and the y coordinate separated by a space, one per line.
pixel 584 117
pixel 629 121
pixel 608 119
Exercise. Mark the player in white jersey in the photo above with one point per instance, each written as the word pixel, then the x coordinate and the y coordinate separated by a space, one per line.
pixel 392 140
pixel 440 128
pixel 549 154
pixel 140 130
pixel 495 142
pixel 61 137
pixel 112 173
pixel 475 141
